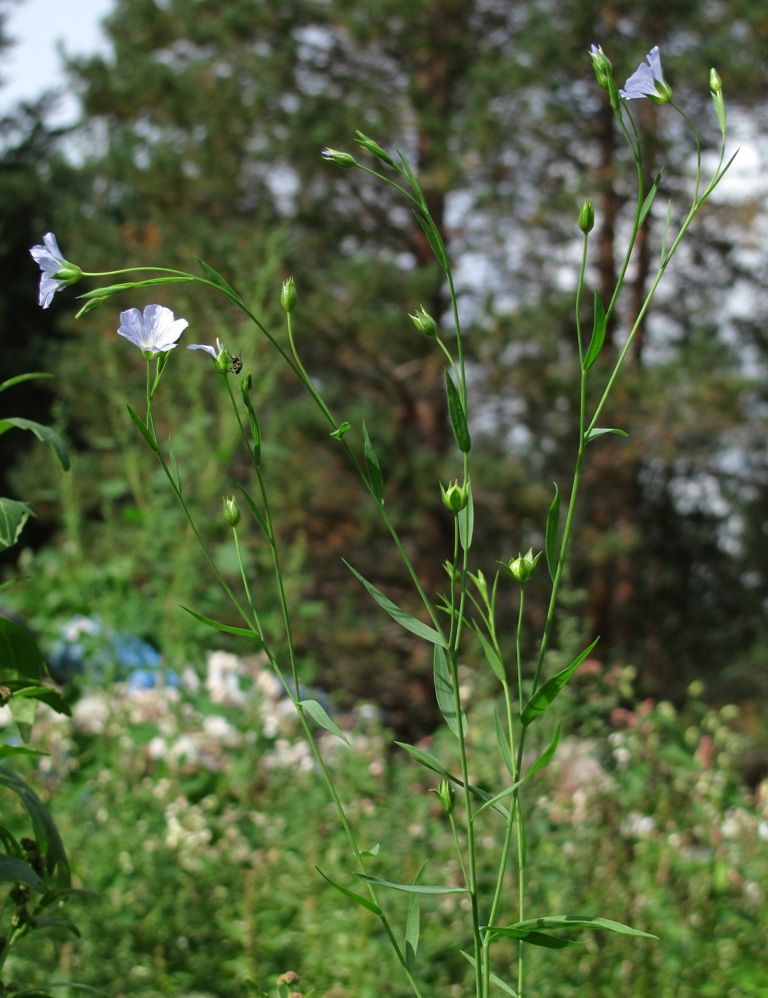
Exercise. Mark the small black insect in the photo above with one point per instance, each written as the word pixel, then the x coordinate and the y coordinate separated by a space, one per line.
pixel 237 364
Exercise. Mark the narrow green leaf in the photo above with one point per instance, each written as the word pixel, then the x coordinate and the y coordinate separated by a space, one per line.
pixel 551 534
pixel 519 930
pixel 550 942
pixel 649 198
pixel 503 743
pixel 544 696
pixel 375 478
pixel 466 520
pixel 412 925
pixel 493 657
pixel 457 414
pixel 406 620
pixel 341 429
pixel 143 429
pixel 495 980
pixel 219 281
pixel 598 334
pixel 31 376
pixel 375 149
pixel 426 759
pixel 243 632
pixel 44 433
pixel 13 517
pixel 493 801
pixel 600 431
pixel 546 755
pixel 434 238
pixel 357 898
pixel 8 750
pixel 320 715
pixel 255 512
pixel 444 693
pixel 412 888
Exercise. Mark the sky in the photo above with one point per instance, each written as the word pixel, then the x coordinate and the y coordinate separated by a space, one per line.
pixel 33 63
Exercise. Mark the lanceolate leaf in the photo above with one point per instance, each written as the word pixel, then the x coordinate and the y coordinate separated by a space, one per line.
pixel 494 979
pixel 404 619
pixel 142 426
pixel 650 197
pixel 547 923
pixel 357 898
pixel 466 520
pixel 320 715
pixel 544 696
pixel 218 280
pixel 412 888
pixel 598 334
pixel 550 543
pixel 15 870
pixel 457 414
pixel 375 478
pixel 546 755
pixel 243 632
pixel 426 759
pixel 600 431
pixel 45 832
pixel 444 692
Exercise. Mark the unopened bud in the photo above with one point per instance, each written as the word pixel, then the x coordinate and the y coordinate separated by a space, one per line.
pixel 455 497
pixel 231 511
pixel 288 295
pixel 602 66
pixel 521 568
pixel 446 795
pixel 339 158
pixel 587 216
pixel 715 83
pixel 424 322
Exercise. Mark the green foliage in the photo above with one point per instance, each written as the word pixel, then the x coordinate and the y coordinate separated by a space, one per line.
pixel 216 884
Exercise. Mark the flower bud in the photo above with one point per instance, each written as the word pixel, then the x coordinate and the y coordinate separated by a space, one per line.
pixel 424 322
pixel 373 147
pixel 288 295
pixel 587 216
pixel 342 159
pixel 602 67
pixel 455 497
pixel 521 568
pixel 715 83
pixel 231 511
pixel 446 795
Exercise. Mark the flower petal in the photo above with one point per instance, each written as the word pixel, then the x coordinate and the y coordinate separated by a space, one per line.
pixel 156 331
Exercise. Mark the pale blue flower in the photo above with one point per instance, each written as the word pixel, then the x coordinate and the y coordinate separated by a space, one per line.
pixel 57 272
pixel 156 331
pixel 648 81
pixel 215 352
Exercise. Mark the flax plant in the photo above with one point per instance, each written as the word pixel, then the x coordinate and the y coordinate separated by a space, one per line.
pixel 467 614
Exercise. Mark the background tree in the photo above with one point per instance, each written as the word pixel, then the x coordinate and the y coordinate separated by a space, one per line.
pixel 201 135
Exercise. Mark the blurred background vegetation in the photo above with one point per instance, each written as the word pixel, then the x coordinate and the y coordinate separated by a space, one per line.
pixel 200 135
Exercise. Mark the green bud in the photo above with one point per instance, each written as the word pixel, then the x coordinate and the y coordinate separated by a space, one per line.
pixel 446 795
pixel 455 497
pixel 288 295
pixel 224 361
pixel 231 511
pixel 373 147
pixel 521 568
pixel 602 67
pixel 424 322
pixel 715 83
pixel 587 216
pixel 342 159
